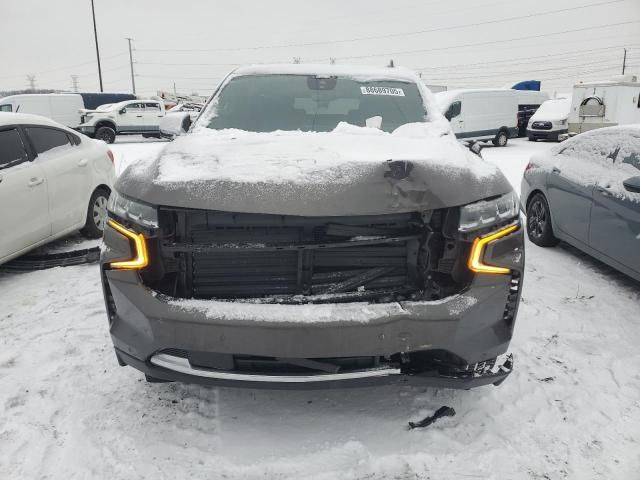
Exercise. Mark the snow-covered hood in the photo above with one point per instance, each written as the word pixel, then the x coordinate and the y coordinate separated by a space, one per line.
pixel 552 111
pixel 350 171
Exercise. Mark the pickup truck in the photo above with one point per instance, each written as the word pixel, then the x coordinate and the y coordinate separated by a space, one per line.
pixel 132 117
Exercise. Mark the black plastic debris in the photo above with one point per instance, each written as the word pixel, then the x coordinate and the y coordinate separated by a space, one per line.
pixel 29 263
pixel 441 412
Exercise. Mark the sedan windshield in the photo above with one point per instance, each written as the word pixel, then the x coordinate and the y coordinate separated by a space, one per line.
pixel 266 103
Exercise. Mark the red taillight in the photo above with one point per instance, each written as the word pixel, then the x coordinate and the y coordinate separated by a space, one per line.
pixel 530 166
pixel 110 155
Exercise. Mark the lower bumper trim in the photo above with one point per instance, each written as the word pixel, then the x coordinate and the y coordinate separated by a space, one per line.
pixel 182 365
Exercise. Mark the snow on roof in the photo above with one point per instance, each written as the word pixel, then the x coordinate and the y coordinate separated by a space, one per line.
pixel 8 118
pixel 360 72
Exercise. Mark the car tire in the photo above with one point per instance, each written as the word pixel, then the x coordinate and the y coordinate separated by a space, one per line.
pixel 96 214
pixel 531 139
pixel 106 134
pixel 501 139
pixel 539 228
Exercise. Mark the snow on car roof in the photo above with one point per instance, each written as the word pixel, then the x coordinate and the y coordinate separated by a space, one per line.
pixel 9 118
pixel 360 72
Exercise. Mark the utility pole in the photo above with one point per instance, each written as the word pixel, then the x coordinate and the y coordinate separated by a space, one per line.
pixel 95 35
pixel 624 61
pixel 133 81
pixel 74 83
pixel 175 92
pixel 32 82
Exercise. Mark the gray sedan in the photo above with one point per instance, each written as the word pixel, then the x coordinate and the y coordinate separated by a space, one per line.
pixel 586 192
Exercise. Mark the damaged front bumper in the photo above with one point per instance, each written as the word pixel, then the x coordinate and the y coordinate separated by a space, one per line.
pixel 205 341
pixel 169 367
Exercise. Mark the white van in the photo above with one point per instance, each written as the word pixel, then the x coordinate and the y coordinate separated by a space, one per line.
pixel 63 108
pixel 550 120
pixel 481 114
pixel 605 104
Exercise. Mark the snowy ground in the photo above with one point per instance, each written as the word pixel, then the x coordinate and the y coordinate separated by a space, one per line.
pixel 571 409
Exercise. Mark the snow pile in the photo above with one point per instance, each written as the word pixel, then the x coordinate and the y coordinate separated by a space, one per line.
pixel 355 312
pixel 308 157
pixel 358 312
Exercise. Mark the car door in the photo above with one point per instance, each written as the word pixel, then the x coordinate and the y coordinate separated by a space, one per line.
pixel 152 115
pixel 615 216
pixel 67 169
pixel 24 204
pixel 575 170
pixel 132 120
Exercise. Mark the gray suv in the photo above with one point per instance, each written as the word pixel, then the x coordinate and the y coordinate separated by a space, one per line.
pixel 317 226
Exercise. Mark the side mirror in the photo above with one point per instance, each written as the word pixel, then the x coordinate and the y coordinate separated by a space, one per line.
pixel 632 184
pixel 175 124
pixel 122 110
pixel 474 147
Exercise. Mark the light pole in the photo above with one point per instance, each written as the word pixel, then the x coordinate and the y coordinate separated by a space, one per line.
pixel 95 34
pixel 133 81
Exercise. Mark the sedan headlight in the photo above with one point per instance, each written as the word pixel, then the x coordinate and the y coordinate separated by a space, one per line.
pixel 487 213
pixel 132 211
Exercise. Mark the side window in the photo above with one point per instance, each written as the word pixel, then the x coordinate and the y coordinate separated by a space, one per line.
pixel 5 108
pixel 152 107
pixel 46 139
pixel 135 108
pixel 12 149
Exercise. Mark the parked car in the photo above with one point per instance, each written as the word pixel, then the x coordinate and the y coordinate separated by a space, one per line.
pixel 134 117
pixel 481 114
pixel 528 103
pixel 53 181
pixel 550 120
pixel 318 225
pixel 64 108
pixel 586 192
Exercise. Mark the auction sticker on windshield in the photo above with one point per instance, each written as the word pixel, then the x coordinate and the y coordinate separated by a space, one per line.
pixel 391 91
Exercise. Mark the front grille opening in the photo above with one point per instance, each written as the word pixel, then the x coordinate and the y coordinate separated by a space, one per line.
pixel 290 259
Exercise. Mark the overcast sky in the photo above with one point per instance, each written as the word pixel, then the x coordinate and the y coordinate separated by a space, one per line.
pixel 195 42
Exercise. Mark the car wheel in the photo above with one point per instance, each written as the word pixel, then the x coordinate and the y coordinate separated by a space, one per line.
pixel 531 139
pixel 501 139
pixel 106 134
pixel 96 214
pixel 539 228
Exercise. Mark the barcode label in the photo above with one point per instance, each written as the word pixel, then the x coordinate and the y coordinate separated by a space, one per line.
pixel 390 91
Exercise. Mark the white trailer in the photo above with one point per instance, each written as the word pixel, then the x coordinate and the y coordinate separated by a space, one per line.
pixel 605 104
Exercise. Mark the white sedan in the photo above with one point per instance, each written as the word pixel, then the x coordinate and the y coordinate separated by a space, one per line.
pixel 53 181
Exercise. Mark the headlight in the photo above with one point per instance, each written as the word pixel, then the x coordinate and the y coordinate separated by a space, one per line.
pixel 130 210
pixel 486 213
pixel 562 122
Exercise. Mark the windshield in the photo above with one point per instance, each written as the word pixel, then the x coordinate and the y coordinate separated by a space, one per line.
pixel 266 103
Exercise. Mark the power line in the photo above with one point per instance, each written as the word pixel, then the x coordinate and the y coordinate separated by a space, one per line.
pixel 524 71
pixel 395 35
pixel 559 56
pixel 491 42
